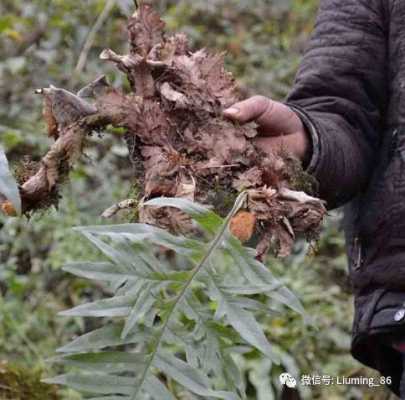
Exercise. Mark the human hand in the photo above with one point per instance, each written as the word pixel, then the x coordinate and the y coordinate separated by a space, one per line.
pixel 280 128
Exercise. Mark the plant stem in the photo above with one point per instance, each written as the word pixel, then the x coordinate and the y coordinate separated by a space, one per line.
pixel 213 246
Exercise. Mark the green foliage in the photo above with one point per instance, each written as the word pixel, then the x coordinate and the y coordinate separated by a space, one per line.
pixel 8 185
pixel 208 310
pixel 18 383
pixel 262 39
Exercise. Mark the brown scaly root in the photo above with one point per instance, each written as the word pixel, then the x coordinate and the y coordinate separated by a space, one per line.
pixel 177 138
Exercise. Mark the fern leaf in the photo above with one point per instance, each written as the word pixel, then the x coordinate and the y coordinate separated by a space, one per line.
pixel 184 322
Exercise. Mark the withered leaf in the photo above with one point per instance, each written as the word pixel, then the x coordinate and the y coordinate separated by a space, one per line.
pixel 168 218
pixel 172 95
pixel 186 187
pixel 145 29
pixel 8 208
pixel 220 83
pixel 251 178
pixel 243 225
pixel 49 118
pixel 283 240
pixel 161 172
pixel 166 51
pixel 179 143
pixel 64 108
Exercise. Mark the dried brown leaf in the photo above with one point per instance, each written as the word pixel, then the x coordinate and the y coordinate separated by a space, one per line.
pixel 283 240
pixel 179 99
pixel 49 118
pixel 63 107
pixel 145 30
pixel 179 143
pixel 251 178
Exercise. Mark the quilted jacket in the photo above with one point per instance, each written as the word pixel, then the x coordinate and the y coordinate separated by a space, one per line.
pixel 350 93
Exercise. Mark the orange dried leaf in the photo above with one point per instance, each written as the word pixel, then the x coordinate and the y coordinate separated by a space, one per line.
pixel 8 209
pixel 243 225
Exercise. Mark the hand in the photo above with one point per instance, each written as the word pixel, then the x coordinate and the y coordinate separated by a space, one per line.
pixel 279 126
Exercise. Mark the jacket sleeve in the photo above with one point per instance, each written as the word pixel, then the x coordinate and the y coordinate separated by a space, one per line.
pixel 340 94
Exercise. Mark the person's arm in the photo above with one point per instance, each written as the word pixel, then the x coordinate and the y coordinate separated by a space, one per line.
pixel 339 96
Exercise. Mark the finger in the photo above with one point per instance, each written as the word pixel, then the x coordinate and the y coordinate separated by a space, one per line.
pixel 249 110
pixel 273 117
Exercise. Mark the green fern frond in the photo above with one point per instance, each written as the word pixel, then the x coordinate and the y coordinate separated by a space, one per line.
pixel 168 323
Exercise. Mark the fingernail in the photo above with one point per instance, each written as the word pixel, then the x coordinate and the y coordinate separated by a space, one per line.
pixel 232 111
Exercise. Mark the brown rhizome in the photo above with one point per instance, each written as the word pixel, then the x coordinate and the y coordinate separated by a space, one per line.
pixel 178 141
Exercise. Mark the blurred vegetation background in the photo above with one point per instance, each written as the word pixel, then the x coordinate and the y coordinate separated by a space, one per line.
pixel 41 42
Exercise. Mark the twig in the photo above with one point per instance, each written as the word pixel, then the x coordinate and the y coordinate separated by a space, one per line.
pixel 300 197
pixel 122 205
pixel 92 36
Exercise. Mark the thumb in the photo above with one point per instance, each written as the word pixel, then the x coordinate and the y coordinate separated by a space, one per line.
pixel 273 117
pixel 250 110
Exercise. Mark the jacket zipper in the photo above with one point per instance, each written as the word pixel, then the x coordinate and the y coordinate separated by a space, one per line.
pixel 358 249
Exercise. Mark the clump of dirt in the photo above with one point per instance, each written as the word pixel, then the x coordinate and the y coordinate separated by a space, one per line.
pixel 179 142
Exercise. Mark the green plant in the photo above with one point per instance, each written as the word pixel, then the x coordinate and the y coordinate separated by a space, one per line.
pixel 9 188
pixel 19 383
pixel 183 321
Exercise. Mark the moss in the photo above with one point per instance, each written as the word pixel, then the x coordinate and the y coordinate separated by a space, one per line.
pixel 20 383
pixel 135 193
pixel 300 180
pixel 25 169
pixel 222 197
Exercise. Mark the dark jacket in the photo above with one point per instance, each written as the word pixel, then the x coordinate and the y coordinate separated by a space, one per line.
pixel 350 93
